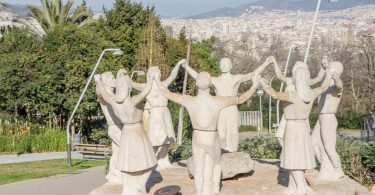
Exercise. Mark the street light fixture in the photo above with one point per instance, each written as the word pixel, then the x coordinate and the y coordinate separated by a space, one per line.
pixel 138 73
pixel 116 52
pixel 313 27
pixel 260 93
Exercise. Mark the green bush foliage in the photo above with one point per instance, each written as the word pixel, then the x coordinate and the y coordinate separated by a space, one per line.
pixel 245 128
pixel 265 147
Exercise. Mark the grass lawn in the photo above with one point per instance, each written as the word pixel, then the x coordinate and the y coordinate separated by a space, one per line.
pixel 10 173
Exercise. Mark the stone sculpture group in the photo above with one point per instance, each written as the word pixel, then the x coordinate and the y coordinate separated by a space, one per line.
pixel 215 123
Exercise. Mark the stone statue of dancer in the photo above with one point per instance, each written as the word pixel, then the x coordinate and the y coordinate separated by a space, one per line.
pixel 290 86
pixel 136 157
pixel 114 123
pixel 227 84
pixel 204 110
pixel 160 127
pixel 298 155
pixel 324 132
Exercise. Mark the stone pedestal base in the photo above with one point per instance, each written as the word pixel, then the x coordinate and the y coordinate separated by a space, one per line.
pixel 232 164
pixel 267 179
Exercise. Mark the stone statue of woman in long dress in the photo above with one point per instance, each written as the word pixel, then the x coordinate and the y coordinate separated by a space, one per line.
pixel 136 157
pixel 227 84
pixel 297 155
pixel 204 110
pixel 114 123
pixel 160 127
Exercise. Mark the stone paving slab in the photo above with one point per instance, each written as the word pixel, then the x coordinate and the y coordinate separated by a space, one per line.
pixel 267 179
pixel 6 159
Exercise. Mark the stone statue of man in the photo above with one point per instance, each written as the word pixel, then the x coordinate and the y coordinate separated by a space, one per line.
pixel 204 110
pixel 297 155
pixel 160 127
pixel 227 84
pixel 324 132
pixel 113 122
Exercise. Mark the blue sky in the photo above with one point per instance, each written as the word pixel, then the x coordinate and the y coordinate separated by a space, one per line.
pixel 170 8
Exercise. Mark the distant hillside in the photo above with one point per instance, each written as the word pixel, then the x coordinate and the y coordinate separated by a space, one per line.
pixel 304 5
pixel 19 9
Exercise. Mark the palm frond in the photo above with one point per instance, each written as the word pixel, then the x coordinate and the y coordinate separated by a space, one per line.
pixel 65 12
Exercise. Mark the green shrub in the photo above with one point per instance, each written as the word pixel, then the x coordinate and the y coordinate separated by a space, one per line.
pixel 265 147
pixel 357 158
pixel 183 152
pixel 245 128
pixel 349 119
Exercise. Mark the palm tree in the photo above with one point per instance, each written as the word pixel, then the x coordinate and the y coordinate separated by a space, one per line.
pixel 53 13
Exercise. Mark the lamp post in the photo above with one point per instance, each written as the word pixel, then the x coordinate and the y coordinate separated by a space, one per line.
pixel 116 52
pixel 138 73
pixel 282 84
pixel 313 27
pixel 270 109
pixel 260 94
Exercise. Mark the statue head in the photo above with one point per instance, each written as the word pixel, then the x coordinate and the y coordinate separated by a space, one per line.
pixel 123 86
pixel 301 78
pixel 109 82
pixel 225 65
pixel 203 80
pixel 325 61
pixel 336 67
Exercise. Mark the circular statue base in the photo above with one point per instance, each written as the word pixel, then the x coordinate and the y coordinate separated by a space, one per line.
pixel 266 179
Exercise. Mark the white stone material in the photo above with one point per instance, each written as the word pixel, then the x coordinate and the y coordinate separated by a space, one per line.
pixel 232 164
pixel 324 133
pixel 297 155
pixel 113 122
pixel 204 110
pixel 136 157
pixel 227 84
pixel 158 124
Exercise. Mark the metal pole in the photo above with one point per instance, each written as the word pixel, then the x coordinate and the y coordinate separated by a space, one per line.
pixel 181 112
pixel 261 113
pixel 282 84
pixel 69 146
pixel 270 110
pixel 312 30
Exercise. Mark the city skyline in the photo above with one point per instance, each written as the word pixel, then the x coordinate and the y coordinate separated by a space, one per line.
pixel 167 8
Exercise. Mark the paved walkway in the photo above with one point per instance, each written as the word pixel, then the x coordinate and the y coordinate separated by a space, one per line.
pixel 5 159
pixel 77 183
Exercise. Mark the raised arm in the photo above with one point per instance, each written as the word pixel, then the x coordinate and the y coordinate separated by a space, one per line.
pixel 138 98
pixel 102 94
pixel 168 94
pixel 325 84
pixel 139 86
pixel 174 73
pixel 191 71
pixel 283 96
pixel 318 78
pixel 338 83
pixel 260 69
pixel 278 72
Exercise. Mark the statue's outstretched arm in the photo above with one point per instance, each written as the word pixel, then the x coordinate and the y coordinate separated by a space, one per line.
pixel 102 94
pixel 175 97
pixel 138 98
pixel 278 72
pixel 319 78
pixel 338 83
pixel 325 84
pixel 258 71
pixel 174 73
pixel 191 71
pixel 139 86
pixel 283 96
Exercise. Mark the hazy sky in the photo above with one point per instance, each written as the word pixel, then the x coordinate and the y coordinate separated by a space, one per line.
pixel 171 8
